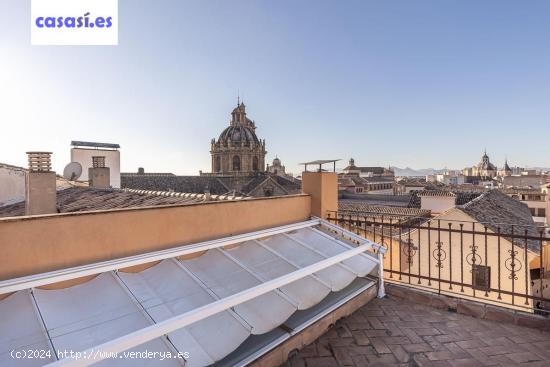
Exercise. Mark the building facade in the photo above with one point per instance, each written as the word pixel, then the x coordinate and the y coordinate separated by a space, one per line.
pixel 352 169
pixel 483 170
pixel 83 151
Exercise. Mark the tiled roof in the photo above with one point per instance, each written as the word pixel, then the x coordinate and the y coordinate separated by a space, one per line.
pixel 354 180
pixel 218 185
pixel 373 170
pixel 520 191
pixel 461 197
pixel 360 206
pixel 436 193
pixel 9 166
pixel 497 210
pixel 194 184
pixel 147 174
pixel 79 199
pixel 379 199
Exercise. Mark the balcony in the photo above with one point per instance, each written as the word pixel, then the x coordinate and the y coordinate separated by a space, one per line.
pixel 493 263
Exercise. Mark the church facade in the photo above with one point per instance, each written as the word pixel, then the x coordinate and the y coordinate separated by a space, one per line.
pixel 238 151
pixel 484 170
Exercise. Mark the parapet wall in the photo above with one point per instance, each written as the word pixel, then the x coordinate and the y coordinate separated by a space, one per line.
pixel 36 244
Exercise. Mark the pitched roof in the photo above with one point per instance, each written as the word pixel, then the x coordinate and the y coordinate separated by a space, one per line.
pixel 11 167
pixel 428 193
pixel 79 199
pixel 379 199
pixel 373 170
pixel 218 185
pixel 192 184
pixel 347 205
pixel 497 210
pixel 461 197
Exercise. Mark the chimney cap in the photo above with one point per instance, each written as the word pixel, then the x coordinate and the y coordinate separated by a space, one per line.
pixel 39 161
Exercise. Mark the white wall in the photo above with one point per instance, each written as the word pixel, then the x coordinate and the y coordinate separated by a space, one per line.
pixel 437 204
pixel 381 192
pixel 112 160
pixel 12 185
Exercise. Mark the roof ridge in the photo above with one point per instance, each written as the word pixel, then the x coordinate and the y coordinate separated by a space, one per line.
pixel 465 205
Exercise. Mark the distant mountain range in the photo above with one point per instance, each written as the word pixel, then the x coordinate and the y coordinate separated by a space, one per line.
pixel 432 171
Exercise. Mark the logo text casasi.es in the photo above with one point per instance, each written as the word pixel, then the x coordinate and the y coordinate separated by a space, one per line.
pixel 74 22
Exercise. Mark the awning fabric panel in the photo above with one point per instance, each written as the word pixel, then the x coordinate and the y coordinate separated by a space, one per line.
pixel 207 340
pixel 307 291
pixel 361 264
pixel 225 277
pixel 21 329
pixel 88 314
pixel 336 276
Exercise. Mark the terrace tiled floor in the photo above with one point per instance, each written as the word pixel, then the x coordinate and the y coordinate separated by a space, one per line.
pixel 393 332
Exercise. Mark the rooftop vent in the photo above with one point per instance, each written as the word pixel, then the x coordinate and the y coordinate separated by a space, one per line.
pixel 40 161
pixel 98 162
pixel 99 176
pixel 40 192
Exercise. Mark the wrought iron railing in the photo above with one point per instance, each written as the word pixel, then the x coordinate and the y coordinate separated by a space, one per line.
pixel 498 263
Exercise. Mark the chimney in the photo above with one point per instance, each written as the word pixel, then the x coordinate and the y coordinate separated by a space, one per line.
pixel 99 176
pixel 40 189
pixel 323 189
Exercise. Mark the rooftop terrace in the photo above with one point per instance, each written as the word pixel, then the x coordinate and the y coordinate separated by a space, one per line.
pixel 392 331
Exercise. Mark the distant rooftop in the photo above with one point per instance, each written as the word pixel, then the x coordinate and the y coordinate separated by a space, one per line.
pixel 79 199
pixel 320 162
pixel 89 144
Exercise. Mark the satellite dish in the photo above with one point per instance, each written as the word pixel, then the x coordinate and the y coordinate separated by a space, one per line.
pixel 72 171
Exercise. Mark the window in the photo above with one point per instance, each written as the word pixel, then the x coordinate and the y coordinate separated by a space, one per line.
pixel 218 166
pixel 236 163
pixel 532 212
pixel 542 212
pixel 481 277
pixel 358 189
pixel 255 164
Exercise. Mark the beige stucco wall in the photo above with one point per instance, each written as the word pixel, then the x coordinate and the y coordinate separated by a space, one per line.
pixel 323 188
pixel 30 245
pixel 112 160
pixel 12 185
pixel 437 204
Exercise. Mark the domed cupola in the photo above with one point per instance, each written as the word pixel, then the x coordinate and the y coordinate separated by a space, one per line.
pixel 238 148
pixel 241 130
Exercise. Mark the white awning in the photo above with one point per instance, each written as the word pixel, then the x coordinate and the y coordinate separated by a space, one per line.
pixel 205 340
pixel 21 330
pixel 305 292
pixel 91 313
pixel 273 272
pixel 225 278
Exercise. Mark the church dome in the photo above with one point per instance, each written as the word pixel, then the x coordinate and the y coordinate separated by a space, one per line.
pixel 238 149
pixel 237 135
pixel 276 161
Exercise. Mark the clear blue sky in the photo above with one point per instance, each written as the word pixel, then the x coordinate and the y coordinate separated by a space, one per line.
pixel 404 83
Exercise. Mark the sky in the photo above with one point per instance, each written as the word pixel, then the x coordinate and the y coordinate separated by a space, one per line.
pixel 403 83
